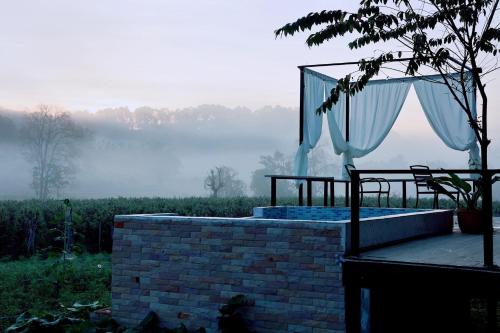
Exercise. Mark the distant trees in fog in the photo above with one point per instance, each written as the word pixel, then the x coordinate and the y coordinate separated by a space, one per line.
pixel 222 181
pixel 276 164
pixel 320 164
pixel 51 140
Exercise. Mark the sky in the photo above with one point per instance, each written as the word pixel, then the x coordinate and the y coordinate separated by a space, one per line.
pixel 92 54
pixel 171 53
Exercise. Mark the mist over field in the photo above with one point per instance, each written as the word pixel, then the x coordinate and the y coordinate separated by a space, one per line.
pixel 168 153
pixel 151 152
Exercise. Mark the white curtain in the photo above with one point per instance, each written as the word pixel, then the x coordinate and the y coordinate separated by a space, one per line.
pixel 373 112
pixel 446 116
pixel 314 94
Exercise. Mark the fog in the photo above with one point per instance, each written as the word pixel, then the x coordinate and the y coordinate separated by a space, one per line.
pixel 168 153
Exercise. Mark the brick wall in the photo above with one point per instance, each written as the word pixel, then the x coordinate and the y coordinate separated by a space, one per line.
pixel 188 267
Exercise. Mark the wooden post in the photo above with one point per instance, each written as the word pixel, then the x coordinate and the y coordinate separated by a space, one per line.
pixel 100 235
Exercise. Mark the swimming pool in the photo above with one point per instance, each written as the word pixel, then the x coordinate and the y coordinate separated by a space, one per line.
pixel 327 213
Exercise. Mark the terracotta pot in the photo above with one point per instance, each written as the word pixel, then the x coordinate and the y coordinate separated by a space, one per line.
pixel 470 221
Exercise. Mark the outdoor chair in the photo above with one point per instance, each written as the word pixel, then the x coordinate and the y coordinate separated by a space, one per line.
pixel 383 187
pixel 422 176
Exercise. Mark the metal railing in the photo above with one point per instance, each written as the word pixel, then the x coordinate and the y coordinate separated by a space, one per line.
pixel 487 209
pixel 329 188
pixel 328 184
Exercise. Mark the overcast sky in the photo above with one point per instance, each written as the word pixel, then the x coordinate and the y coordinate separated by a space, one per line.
pixel 91 54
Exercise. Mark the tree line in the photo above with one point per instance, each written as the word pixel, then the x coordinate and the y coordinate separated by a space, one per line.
pixel 223 181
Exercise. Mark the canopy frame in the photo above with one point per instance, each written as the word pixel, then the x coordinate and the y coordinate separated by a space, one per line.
pixel 347 96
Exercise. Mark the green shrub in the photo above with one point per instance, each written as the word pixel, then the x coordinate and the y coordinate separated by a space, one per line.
pixel 89 214
pixel 40 286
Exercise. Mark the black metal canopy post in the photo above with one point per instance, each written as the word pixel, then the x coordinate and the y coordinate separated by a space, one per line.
pixel 347 116
pixel 302 67
pixel 355 213
pixel 301 128
pixel 487 209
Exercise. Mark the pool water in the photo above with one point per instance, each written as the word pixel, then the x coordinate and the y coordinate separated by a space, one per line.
pixel 326 213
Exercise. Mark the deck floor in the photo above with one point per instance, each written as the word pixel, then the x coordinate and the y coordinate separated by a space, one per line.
pixel 455 249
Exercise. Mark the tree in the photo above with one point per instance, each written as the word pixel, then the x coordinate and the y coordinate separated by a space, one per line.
pixel 50 138
pixel 8 132
pixel 446 36
pixel 276 164
pixel 222 181
pixel 281 164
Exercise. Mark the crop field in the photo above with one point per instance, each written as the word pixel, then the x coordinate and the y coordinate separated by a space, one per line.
pixel 39 281
pixel 93 219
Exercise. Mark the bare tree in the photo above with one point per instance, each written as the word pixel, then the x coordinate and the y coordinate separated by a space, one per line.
pixel 214 181
pixel 222 182
pixel 50 137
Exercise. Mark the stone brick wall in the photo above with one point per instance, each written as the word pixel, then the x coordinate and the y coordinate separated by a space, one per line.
pixel 183 267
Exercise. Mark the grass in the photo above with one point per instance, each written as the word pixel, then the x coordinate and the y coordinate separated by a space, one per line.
pixel 39 286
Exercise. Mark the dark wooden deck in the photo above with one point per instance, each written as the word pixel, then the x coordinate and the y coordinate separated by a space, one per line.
pixel 455 249
pixel 430 283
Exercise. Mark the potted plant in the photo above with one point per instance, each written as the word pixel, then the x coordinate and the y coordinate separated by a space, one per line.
pixel 469 215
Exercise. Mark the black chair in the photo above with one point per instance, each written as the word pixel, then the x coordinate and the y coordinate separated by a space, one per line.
pixel 422 176
pixel 384 187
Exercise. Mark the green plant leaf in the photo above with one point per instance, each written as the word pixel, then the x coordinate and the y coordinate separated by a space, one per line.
pixel 459 183
pixel 436 186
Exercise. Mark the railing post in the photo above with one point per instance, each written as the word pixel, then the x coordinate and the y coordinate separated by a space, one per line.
pixel 355 213
pixel 404 193
pixel 487 218
pixel 309 192
pixel 301 194
pixel 332 193
pixel 347 194
pixel 273 191
pixel 325 193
